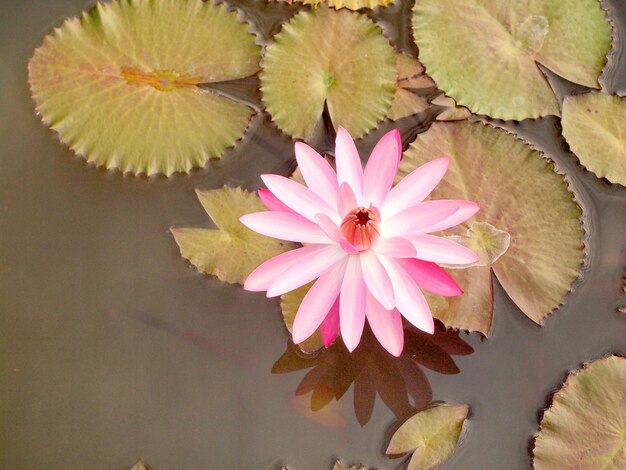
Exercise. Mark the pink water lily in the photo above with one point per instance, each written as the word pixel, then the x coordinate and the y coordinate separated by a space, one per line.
pixel 367 243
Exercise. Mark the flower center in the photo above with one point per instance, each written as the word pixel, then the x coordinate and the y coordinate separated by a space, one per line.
pixel 361 227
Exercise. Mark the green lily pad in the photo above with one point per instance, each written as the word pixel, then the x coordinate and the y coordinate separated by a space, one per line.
pixel 351 4
pixel 119 84
pixel 519 193
pixel 289 304
pixel 451 112
pixel 231 251
pixel 585 427
pixel 323 57
pixel 410 75
pixel 431 435
pixel 485 54
pixel 594 125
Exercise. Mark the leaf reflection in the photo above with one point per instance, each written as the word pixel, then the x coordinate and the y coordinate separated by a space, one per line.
pixel 400 382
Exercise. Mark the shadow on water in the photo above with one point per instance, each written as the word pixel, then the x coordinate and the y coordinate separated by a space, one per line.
pixel 399 382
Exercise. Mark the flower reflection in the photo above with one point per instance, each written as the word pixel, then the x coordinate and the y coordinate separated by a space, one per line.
pixel 400 382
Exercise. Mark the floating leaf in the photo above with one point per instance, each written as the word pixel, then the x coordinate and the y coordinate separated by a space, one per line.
pixel 338 59
pixel 119 84
pixel 586 423
pixel 351 4
pixel 289 304
pixel 453 111
pixel 431 435
pixel 485 240
pixel 338 466
pixel 232 251
pixel 594 125
pixel 484 54
pixel 519 193
pixel 410 75
pixel 139 466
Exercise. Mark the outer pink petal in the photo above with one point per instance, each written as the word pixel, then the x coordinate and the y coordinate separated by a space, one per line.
pixel 415 186
pixel 395 247
pixel 272 202
pixel 376 279
pixel 348 163
pixel 431 277
pixel 381 168
pixel 409 298
pixel 346 201
pixel 297 275
pixel 285 226
pixel 330 228
pixel 441 250
pixel 330 326
pixel 352 304
pixel 386 326
pixel 420 218
pixel 465 211
pixel 317 172
pixel 262 277
pixel 318 302
pixel 298 197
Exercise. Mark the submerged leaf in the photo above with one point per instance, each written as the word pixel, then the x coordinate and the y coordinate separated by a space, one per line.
pixel 338 466
pixel 519 193
pixel 410 76
pixel 119 84
pixel 289 304
pixel 431 435
pixel 139 466
pixel 452 111
pixel 484 54
pixel 585 427
pixel 594 125
pixel 338 59
pixel 231 251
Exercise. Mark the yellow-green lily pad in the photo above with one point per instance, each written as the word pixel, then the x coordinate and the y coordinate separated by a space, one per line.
pixel 585 426
pixel 329 58
pixel 231 251
pixel 594 125
pixel 485 53
pixel 520 194
pixel 410 75
pixel 351 4
pixel 431 435
pixel 119 84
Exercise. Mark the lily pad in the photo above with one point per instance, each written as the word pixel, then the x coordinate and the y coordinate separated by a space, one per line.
pixel 594 125
pixel 289 304
pixel 327 58
pixel 351 4
pixel 584 428
pixel 451 112
pixel 119 84
pixel 485 54
pixel 139 466
pixel 431 435
pixel 231 251
pixel 521 194
pixel 410 76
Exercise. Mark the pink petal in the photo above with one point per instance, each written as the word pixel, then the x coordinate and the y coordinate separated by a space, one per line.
pixel 409 298
pixel 330 326
pixel 420 218
pixel 262 277
pixel 376 279
pixel 347 200
pixel 272 202
pixel 298 197
pixel 285 226
pixel 348 162
pixel 347 246
pixel 317 172
pixel 431 277
pixel 318 302
pixel 381 168
pixel 386 326
pixel 297 275
pixel 352 304
pixel 330 228
pixel 465 211
pixel 395 247
pixel 415 186
pixel 441 250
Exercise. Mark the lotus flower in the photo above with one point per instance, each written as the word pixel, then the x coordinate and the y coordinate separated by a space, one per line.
pixel 367 243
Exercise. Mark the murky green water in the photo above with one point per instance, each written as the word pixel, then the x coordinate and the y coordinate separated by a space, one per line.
pixel 112 348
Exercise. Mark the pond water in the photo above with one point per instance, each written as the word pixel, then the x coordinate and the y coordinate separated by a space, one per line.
pixel 113 348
